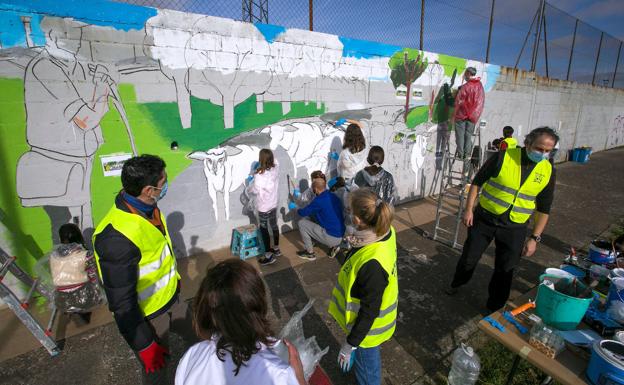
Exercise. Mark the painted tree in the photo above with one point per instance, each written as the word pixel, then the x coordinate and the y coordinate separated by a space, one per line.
pixel 407 66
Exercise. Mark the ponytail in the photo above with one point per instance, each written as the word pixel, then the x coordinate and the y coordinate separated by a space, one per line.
pixel 371 210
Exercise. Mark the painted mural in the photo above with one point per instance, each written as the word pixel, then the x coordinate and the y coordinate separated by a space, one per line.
pixel 85 83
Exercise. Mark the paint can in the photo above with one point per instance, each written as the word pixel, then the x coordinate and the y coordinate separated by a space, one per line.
pixel 601 252
pixel 606 365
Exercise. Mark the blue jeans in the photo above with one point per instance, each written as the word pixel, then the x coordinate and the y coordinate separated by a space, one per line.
pixel 464 137
pixel 367 366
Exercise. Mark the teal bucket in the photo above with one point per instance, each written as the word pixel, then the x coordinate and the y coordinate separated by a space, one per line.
pixel 559 310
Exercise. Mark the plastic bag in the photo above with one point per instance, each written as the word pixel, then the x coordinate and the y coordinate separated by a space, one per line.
pixel 309 350
pixel 248 200
pixel 71 270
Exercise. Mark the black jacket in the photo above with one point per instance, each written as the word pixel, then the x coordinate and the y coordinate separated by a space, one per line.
pixel 119 260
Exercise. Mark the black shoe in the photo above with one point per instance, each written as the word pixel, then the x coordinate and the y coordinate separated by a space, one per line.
pixel 304 254
pixel 334 251
pixel 276 252
pixel 451 291
pixel 265 261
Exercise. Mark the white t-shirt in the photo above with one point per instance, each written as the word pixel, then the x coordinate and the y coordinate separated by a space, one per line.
pixel 200 365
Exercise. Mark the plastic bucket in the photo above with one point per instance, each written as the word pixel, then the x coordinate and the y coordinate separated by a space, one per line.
pixel 616 290
pixel 559 310
pixel 600 252
pixel 604 367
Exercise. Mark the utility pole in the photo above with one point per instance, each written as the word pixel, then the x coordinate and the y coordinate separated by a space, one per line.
pixel 255 11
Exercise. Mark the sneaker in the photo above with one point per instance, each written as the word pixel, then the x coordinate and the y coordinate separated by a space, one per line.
pixel 334 251
pixel 304 254
pixel 265 261
pixel 276 252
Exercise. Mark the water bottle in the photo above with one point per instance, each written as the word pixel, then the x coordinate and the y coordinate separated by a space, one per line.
pixel 465 368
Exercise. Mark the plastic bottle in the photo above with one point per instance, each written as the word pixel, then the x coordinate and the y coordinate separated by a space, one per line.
pixel 465 368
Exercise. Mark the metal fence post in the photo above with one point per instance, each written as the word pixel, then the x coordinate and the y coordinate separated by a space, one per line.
pixel 572 49
pixel 489 42
pixel 422 23
pixel 617 63
pixel 311 15
pixel 545 42
pixel 597 59
pixel 537 35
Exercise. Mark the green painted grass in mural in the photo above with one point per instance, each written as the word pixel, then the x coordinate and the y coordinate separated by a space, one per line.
pixel 417 116
pixel 154 126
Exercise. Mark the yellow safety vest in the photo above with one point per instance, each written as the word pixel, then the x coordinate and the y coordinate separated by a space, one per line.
pixel 344 308
pixel 158 276
pixel 504 191
pixel 511 142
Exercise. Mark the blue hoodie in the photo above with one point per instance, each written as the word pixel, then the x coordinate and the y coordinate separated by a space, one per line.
pixel 327 209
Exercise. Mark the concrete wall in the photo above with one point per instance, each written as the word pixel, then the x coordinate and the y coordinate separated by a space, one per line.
pixel 85 85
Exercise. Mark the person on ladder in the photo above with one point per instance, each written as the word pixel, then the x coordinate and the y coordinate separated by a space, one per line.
pixel 516 184
pixel 135 260
pixel 468 108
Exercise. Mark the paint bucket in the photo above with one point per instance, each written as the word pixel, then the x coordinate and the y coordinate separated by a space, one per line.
pixel 560 310
pixel 606 365
pixel 575 271
pixel 601 252
pixel 618 272
pixel 616 290
pixel 558 272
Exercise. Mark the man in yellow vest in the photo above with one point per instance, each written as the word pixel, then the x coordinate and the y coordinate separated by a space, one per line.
pixel 516 184
pixel 137 267
pixel 508 140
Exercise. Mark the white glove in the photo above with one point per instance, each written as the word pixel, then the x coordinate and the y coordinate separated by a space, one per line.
pixel 346 357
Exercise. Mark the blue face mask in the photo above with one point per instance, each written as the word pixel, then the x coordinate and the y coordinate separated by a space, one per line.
pixel 537 156
pixel 163 191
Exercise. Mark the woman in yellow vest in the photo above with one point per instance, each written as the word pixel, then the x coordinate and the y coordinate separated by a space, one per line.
pixel 515 185
pixel 364 300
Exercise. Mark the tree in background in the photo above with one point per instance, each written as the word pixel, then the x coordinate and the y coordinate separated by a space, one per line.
pixel 407 66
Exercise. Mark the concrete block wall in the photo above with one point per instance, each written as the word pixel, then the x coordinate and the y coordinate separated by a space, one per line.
pixel 80 79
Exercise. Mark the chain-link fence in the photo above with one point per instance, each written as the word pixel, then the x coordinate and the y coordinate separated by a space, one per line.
pixel 503 32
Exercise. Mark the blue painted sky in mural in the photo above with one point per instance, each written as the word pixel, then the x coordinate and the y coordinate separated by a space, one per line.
pixel 105 13
pixel 269 31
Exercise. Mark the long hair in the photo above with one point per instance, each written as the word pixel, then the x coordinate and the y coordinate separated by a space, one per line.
pixel 371 210
pixel 231 305
pixel 266 161
pixel 354 139
pixel 375 159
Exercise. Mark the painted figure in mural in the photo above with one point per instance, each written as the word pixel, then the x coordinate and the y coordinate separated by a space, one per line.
pixel 264 185
pixel 328 213
pixel 230 311
pixel 468 108
pixel 65 101
pixel 352 158
pixel 138 269
pixel 376 178
pixel 514 184
pixel 366 295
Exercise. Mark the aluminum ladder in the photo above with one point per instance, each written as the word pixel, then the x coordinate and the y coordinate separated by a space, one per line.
pixel 452 193
pixel 20 307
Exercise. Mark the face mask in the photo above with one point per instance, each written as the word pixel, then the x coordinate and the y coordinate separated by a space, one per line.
pixel 537 156
pixel 163 192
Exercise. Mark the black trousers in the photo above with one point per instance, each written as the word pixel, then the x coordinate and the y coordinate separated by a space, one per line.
pixel 269 219
pixel 509 242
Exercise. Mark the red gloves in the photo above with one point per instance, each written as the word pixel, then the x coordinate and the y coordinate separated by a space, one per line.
pixel 153 357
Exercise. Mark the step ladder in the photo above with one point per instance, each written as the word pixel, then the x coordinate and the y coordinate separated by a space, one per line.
pixel 246 242
pixel 20 307
pixel 453 190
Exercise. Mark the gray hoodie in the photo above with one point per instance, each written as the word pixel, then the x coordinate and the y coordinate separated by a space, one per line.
pixel 381 183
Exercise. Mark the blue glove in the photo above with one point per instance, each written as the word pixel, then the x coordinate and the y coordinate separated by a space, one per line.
pixel 334 155
pixel 331 182
pixel 296 193
pixel 340 122
pixel 249 179
pixel 346 357
pixel 255 165
pixel 292 205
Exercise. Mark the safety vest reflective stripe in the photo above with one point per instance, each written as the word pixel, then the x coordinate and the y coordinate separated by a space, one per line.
pixel 501 187
pixel 494 199
pixel 154 266
pixel 156 286
pixel 382 313
pixel 522 210
pixel 355 307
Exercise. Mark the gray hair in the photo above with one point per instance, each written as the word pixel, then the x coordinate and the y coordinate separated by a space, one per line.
pixel 471 71
pixel 536 133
